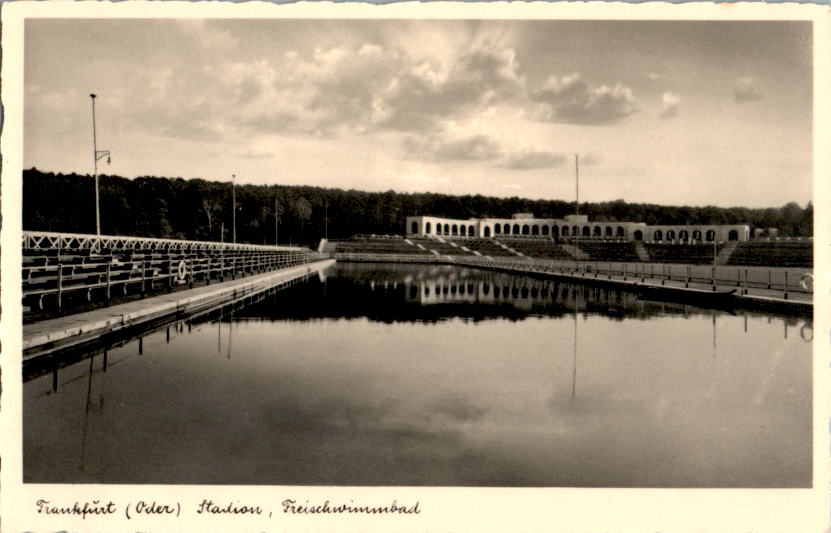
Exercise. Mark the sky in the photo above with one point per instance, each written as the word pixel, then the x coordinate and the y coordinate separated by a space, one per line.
pixel 666 112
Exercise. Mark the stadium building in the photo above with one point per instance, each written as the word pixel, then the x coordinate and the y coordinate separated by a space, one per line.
pixel 574 227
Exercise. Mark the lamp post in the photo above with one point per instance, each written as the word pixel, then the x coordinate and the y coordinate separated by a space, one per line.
pixel 234 206
pixel 96 155
pixel 276 222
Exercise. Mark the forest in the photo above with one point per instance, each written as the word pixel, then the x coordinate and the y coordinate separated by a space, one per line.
pixel 197 209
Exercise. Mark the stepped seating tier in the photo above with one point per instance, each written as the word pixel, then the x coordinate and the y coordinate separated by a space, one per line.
pixel 609 251
pixel 691 254
pixel 377 247
pixel 486 247
pixel 536 247
pixel 443 248
pixel 774 253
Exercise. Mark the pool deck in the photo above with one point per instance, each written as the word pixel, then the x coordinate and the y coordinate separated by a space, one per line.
pixel 45 336
pixel 701 293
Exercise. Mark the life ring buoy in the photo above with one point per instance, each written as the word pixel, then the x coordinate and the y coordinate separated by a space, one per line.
pixel 802 334
pixel 182 270
pixel 807 281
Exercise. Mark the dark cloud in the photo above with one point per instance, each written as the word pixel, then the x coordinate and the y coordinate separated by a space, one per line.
pixel 534 159
pixel 428 92
pixel 570 100
pixel 438 149
pixel 746 91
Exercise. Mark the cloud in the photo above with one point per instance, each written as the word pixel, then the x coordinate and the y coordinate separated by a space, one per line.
pixel 435 148
pixel 669 107
pixel 254 154
pixel 591 159
pixel 347 88
pixel 746 91
pixel 534 159
pixel 429 91
pixel 570 100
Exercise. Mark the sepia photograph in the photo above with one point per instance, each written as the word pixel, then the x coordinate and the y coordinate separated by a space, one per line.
pixel 426 252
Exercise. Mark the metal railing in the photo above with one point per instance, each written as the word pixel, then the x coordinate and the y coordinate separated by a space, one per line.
pixel 57 266
pixel 785 280
pixel 42 240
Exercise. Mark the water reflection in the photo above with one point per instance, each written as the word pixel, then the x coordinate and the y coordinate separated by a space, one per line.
pixel 361 377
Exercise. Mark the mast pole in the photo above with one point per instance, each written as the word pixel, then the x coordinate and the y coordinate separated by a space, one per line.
pixel 576 186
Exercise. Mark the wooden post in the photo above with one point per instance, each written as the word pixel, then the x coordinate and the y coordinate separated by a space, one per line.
pixel 687 284
pixel 143 276
pixel 192 273
pixel 769 279
pixel 786 285
pixel 60 285
pixel 108 281
pixel 208 273
pixel 745 286
pixel 714 278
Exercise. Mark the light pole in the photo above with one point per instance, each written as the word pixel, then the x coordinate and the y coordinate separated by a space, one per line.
pixel 234 205
pixel 96 155
pixel 326 221
pixel 276 222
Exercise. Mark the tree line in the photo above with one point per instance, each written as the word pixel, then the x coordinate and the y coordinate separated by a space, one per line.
pixel 197 209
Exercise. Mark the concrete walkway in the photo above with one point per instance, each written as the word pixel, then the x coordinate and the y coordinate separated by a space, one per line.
pixel 47 335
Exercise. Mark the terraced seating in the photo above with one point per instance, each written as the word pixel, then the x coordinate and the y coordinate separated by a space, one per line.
pixel 380 246
pixel 536 247
pixel 444 248
pixel 486 247
pixel 691 254
pixel 609 251
pixel 774 253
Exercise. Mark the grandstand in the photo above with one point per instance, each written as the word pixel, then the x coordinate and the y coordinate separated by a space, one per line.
pixel 765 253
pixel 536 247
pixel 609 251
pixel 691 254
pixel 443 248
pixel 488 247
pixel 774 253
pixel 374 246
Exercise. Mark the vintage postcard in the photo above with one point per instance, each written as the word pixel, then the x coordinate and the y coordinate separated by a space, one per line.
pixel 415 267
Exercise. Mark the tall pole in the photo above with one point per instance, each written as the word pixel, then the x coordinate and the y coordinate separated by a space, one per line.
pixel 326 221
pixel 577 212
pixel 276 224
pixel 576 186
pixel 234 205
pixel 95 168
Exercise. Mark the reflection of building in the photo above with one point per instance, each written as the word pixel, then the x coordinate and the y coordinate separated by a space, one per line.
pixel 520 293
pixel 574 226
